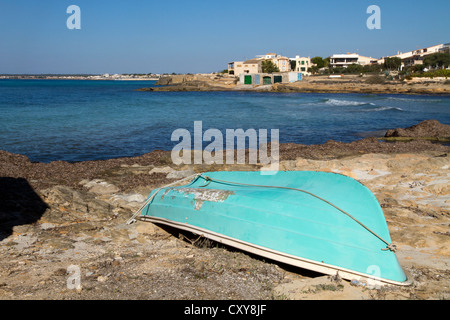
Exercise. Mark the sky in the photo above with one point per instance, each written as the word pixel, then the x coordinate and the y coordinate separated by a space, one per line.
pixel 202 36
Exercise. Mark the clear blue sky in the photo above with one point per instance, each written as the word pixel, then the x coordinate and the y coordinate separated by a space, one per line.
pixel 138 36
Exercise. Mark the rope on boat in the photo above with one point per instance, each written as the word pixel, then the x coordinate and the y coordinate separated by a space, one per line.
pixel 389 246
pixel 133 217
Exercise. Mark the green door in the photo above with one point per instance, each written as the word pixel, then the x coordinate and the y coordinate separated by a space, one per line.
pixel 247 79
pixel 267 80
pixel 277 79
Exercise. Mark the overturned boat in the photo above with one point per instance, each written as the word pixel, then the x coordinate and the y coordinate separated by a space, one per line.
pixel 321 221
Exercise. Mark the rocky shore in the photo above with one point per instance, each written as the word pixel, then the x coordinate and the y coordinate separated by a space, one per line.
pixel 313 84
pixel 63 233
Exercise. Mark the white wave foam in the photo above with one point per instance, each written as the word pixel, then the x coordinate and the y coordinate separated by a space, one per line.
pixel 383 109
pixel 336 102
pixel 413 99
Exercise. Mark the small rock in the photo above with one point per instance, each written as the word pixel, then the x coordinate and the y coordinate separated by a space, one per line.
pixel 146 227
pixel 104 188
pixel 180 174
pixel 161 170
pixel 131 197
pixel 46 226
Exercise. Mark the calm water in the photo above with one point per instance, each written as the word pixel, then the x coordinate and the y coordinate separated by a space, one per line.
pixel 76 120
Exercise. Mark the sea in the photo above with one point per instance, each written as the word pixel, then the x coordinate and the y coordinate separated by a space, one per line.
pixel 78 120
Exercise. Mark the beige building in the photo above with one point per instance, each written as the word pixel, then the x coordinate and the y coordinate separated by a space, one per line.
pixel 255 65
pixel 244 67
pixel 302 64
pixel 283 63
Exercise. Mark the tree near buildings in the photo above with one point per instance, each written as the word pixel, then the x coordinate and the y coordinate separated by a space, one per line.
pixel 268 66
pixel 313 69
pixel 392 63
pixel 293 64
pixel 437 60
pixel 318 61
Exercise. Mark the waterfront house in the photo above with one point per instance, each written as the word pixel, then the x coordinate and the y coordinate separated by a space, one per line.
pixel 283 63
pixel 302 64
pixel 254 65
pixel 233 67
pixel 237 68
pixel 344 60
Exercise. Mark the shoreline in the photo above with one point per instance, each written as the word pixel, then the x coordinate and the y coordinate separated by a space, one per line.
pixel 69 173
pixel 311 84
pixel 428 135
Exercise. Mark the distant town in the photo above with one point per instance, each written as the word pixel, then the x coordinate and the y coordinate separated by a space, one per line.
pixel 105 76
pixel 271 68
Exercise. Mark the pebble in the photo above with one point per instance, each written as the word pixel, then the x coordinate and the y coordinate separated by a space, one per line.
pixel 46 226
pixel 166 169
pixel 180 174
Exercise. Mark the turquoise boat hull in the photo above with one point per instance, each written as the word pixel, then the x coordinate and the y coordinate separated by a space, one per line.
pixel 321 221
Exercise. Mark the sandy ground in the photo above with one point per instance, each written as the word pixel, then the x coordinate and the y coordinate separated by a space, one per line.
pixel 63 233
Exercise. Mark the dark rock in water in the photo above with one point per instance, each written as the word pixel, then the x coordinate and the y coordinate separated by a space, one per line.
pixel 427 128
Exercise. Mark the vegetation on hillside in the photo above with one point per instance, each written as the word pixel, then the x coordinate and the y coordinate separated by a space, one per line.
pixel 434 65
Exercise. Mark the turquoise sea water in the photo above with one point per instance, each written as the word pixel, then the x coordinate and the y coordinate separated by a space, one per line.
pixel 77 120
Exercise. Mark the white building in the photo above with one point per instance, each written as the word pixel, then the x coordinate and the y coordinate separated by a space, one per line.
pixel 415 57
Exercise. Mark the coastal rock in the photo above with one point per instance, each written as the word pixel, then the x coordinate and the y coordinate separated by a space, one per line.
pixel 165 169
pixel 427 128
pixel 316 83
pixel 66 197
pixel 68 204
pixel 131 201
pixel 194 82
pixel 102 187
